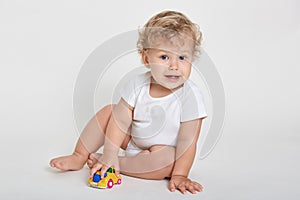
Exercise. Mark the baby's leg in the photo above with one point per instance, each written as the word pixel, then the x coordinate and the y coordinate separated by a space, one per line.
pixel 90 140
pixel 156 147
pixel 156 164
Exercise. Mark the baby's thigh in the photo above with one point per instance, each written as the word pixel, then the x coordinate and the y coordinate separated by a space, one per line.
pixel 156 147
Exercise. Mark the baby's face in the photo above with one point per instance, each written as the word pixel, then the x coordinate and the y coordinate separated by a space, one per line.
pixel 170 63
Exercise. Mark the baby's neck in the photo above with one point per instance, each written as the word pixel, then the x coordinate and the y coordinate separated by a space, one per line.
pixel 157 91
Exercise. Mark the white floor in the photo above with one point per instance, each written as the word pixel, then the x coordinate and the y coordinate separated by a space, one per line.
pixel 256 169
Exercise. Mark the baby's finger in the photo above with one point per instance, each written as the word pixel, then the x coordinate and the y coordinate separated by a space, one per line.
pixel 191 189
pixel 95 168
pixel 172 186
pixel 198 187
pixel 103 170
pixel 182 188
pixel 117 172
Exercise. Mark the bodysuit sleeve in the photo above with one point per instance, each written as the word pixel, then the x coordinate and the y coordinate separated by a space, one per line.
pixel 133 87
pixel 128 92
pixel 192 103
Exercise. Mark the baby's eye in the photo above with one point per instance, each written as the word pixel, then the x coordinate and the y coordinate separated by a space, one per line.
pixel 182 57
pixel 164 57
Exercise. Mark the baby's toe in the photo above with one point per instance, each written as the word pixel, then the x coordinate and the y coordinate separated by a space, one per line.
pixel 51 164
pixel 54 163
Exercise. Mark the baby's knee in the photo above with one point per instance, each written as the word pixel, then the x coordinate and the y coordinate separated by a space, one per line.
pixel 105 110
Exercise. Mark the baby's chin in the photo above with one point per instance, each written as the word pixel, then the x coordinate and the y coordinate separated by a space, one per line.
pixel 173 86
pixel 170 85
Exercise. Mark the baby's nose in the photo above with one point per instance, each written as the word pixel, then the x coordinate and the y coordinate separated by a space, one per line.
pixel 173 64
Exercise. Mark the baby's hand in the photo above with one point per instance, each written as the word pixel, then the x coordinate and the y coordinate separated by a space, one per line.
pixel 97 167
pixel 104 163
pixel 184 184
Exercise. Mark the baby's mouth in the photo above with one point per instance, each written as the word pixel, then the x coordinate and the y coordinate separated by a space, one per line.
pixel 172 77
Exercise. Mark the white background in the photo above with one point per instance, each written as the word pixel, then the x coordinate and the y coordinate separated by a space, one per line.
pixel 254 45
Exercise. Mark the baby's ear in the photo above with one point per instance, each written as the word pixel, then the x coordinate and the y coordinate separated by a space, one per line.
pixel 145 58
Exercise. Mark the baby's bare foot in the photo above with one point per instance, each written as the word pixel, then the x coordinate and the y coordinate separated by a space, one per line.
pixel 93 159
pixel 68 163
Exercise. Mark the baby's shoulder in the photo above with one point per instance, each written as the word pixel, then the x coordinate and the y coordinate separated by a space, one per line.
pixel 140 80
pixel 143 77
pixel 191 87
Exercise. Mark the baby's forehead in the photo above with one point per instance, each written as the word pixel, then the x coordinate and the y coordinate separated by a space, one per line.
pixel 177 48
pixel 174 45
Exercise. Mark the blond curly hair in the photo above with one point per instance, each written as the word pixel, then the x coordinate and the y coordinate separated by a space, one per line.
pixel 168 24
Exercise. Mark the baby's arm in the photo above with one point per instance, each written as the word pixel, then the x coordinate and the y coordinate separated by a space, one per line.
pixel 185 154
pixel 116 131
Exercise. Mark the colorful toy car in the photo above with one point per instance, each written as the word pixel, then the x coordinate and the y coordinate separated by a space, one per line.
pixel 110 179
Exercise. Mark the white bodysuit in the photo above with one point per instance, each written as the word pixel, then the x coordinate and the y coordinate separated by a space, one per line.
pixel 156 121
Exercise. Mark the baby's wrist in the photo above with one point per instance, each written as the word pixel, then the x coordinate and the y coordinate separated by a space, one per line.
pixel 179 176
pixel 180 172
pixel 109 159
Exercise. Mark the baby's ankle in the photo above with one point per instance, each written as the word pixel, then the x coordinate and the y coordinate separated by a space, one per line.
pixel 80 156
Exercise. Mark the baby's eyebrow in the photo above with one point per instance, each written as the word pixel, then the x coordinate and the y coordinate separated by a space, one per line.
pixel 185 51
pixel 161 51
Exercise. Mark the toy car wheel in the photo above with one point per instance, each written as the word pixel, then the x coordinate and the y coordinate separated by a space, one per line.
pixel 110 184
pixel 119 181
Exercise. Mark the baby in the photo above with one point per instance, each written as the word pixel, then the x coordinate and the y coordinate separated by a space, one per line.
pixel 158 118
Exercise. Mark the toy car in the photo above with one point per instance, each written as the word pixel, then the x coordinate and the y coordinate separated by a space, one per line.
pixel 110 179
